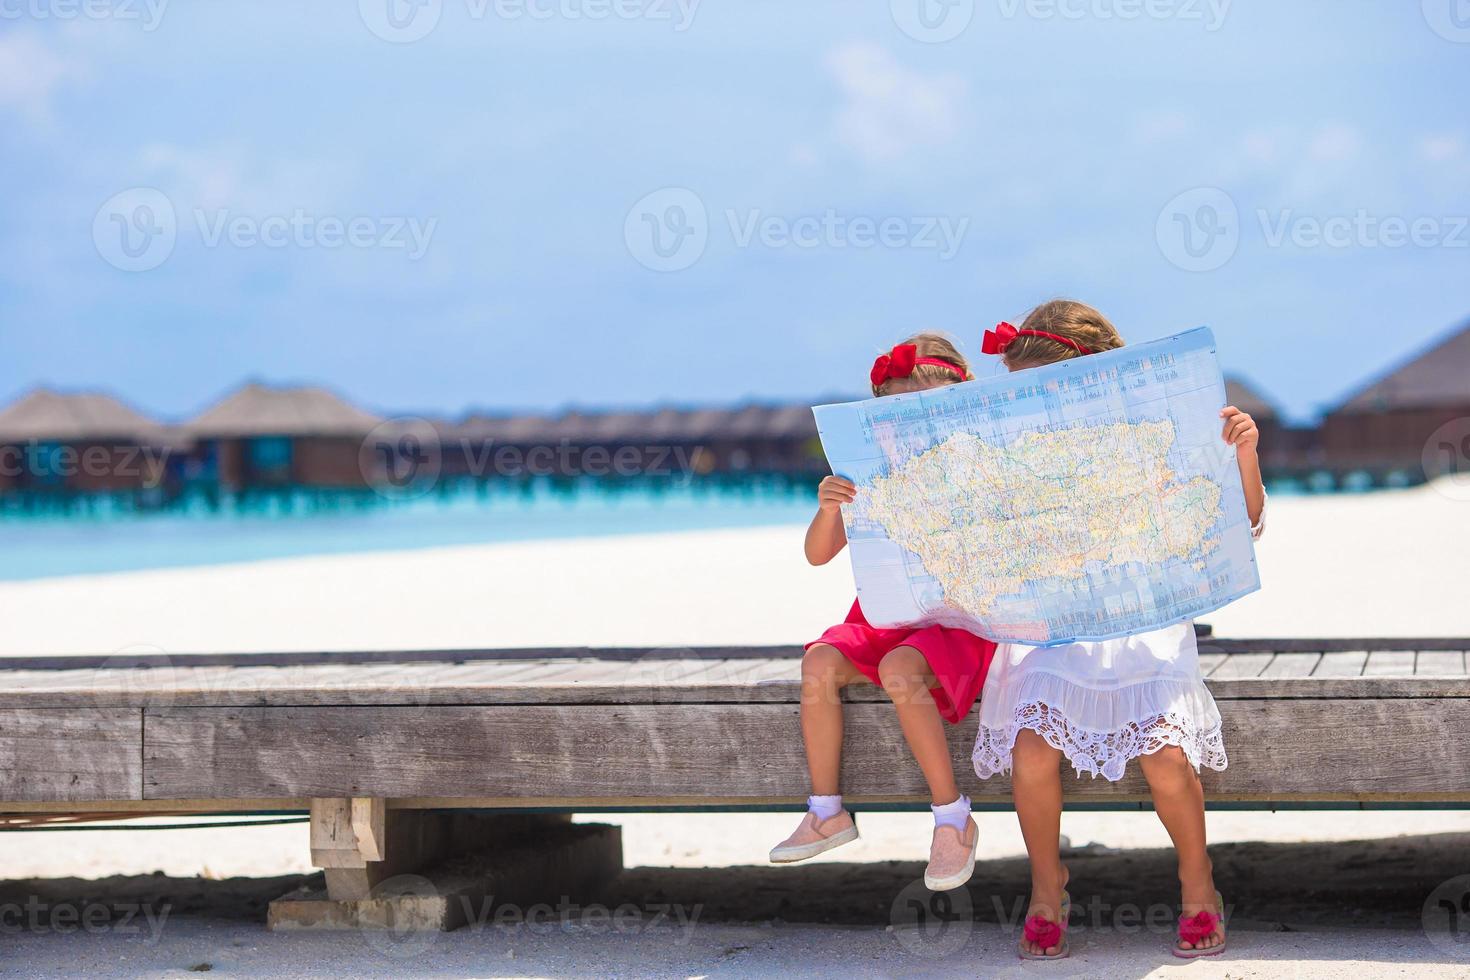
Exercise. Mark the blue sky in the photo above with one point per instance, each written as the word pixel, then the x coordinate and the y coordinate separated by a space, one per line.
pixel 1051 147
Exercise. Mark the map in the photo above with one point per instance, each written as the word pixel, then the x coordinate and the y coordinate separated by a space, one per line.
pixel 1082 500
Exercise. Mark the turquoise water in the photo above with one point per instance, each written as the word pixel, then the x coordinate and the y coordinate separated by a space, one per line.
pixel 120 541
pixel 111 537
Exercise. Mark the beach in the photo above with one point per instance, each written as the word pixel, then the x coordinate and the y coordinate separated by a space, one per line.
pixel 1392 563
pixel 1331 566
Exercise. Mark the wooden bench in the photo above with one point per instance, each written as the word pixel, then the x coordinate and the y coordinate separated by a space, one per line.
pixel 365 741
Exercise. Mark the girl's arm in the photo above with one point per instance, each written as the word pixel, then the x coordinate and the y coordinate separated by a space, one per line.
pixel 826 537
pixel 1241 432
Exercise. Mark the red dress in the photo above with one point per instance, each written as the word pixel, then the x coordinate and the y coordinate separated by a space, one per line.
pixel 959 659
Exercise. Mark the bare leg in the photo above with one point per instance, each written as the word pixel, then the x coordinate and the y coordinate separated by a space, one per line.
pixel 824 672
pixel 1179 800
pixel 1036 783
pixel 907 679
pixel 1179 804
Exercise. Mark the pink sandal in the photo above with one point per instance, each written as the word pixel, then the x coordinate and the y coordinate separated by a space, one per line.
pixel 1046 933
pixel 1194 929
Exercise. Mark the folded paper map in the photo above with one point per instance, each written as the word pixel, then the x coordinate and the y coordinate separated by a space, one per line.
pixel 1081 500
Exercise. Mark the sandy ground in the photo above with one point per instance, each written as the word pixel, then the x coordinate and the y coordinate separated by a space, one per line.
pixel 232 950
pixel 705 840
pixel 1384 564
pixel 1301 909
pixel 697 899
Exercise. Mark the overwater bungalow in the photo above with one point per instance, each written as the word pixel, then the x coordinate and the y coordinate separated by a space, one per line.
pixel 1286 450
pixel 81 442
pixel 1387 424
pixel 261 437
pixel 658 442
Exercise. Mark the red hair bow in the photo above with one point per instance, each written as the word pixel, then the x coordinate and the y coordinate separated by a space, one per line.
pixel 897 363
pixel 996 341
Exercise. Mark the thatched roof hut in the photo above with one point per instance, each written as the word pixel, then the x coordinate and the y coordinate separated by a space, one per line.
pixel 664 426
pixel 44 415
pixel 1390 421
pixel 1247 398
pixel 1438 377
pixel 261 410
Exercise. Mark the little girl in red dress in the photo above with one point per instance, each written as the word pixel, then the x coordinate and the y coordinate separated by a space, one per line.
pixel 931 673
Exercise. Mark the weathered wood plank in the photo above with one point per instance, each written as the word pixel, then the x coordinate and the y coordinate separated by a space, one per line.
pixel 1332 644
pixel 307 658
pixel 1440 663
pixel 1242 665
pixel 1291 665
pixel 1362 749
pixel 1343 663
pixel 369 825
pixel 332 837
pixel 60 755
pixel 735 680
pixel 1389 663
pixel 1367 688
pixel 1208 662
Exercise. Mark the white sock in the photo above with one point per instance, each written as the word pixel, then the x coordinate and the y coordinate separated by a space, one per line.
pixel 952 814
pixel 825 807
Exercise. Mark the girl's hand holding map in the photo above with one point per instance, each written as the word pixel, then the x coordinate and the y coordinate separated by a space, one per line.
pixel 1240 429
pixel 833 492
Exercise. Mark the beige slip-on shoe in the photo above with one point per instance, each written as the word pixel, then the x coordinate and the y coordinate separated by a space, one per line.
pixel 815 836
pixel 951 857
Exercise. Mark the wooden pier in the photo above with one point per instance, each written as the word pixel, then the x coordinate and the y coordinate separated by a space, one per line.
pixel 382 749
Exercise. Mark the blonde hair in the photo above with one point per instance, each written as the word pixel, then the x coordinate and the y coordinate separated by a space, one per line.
pixel 1078 322
pixel 939 347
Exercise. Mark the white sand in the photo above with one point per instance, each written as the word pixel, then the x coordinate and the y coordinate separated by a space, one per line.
pixel 681 840
pixel 1385 564
pixel 712 950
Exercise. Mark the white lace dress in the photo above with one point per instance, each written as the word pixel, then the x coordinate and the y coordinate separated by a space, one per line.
pixel 1102 703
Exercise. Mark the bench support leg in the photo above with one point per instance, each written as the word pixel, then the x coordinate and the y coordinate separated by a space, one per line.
pixel 439 869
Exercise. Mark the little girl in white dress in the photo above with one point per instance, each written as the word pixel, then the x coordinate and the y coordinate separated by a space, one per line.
pixel 1102 704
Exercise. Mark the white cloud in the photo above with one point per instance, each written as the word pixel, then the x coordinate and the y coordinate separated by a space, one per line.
pixel 1442 147
pixel 234 178
pixel 29 74
pixel 1261 147
pixel 806 156
pixel 888 108
pixel 1162 127
pixel 1335 143
pixel 1326 166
